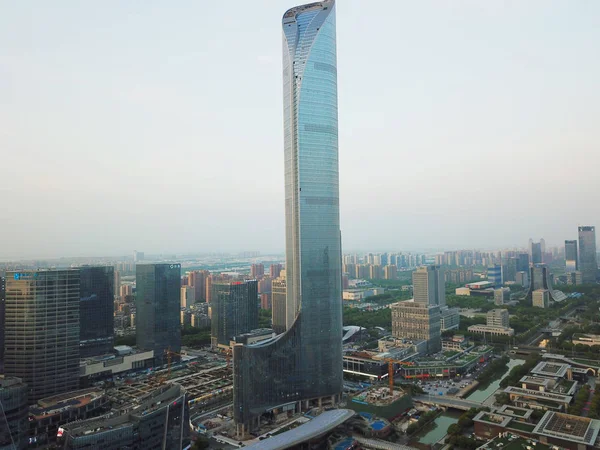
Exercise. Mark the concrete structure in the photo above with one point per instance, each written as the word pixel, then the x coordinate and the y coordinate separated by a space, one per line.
pixel 187 296
pixel 157 309
pixel 257 271
pixel 541 298
pixel 234 310
pixel 574 278
pixel 429 286
pixel 13 413
pixel 253 337
pixel 498 318
pixel 535 399
pixel 304 364
pixel 491 330
pixel 275 270
pixel 568 431
pixel 156 421
pixel 501 296
pixel 588 262
pixel 42 330
pixel 418 321
pixel 96 307
pixel 586 339
pixel 390 272
pixel 278 302
pixel 107 366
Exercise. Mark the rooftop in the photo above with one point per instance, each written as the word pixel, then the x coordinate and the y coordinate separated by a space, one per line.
pixel 551 369
pixel 537 394
pixel 54 405
pixel 581 430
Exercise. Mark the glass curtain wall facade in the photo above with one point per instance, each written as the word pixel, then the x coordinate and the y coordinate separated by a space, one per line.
pixel 42 330
pixel 157 309
pixel 305 362
pixel 96 311
pixel 234 310
pixel 571 264
pixel 588 263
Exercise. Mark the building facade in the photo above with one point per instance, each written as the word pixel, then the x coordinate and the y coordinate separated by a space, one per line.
pixel 429 285
pixel 541 298
pixel 278 303
pixel 588 263
pixel 498 318
pixel 158 309
pixel 571 256
pixel 14 425
pixel 305 363
pixel 234 310
pixel 42 330
pixel 96 306
pixel 418 321
pixel 494 274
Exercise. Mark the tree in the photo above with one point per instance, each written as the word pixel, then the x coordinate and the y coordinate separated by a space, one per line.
pixel 201 443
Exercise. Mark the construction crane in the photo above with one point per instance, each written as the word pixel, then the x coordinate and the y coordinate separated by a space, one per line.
pixel 391 363
pixel 170 353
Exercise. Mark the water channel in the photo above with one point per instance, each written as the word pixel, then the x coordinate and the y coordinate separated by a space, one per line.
pixel 437 430
pixel 485 390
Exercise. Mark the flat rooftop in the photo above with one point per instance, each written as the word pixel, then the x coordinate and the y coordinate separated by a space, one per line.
pixel 539 395
pixel 551 369
pixel 581 430
pixel 53 405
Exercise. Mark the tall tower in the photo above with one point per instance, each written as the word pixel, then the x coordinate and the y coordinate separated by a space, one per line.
pixel 571 262
pixel 305 362
pixel 42 330
pixel 157 308
pixel 96 308
pixel 429 285
pixel 588 263
pixel 234 310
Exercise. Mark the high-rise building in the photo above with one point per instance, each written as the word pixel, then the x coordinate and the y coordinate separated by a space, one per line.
pixel 157 303
pixel 208 288
pixel 429 285
pixel 42 330
pixel 257 271
pixel 501 296
pixel 197 279
pixel 265 300
pixel 509 269
pixel 96 311
pixel 498 318
pixel 571 260
pixel 523 262
pixel 541 298
pixel 588 263
pixel 137 256
pixel 494 274
pixel 536 252
pixel 278 303
pixel 390 272
pixel 14 425
pixel 418 320
pixel 117 283
pixel 234 310
pixel 305 363
pixel 2 310
pixel 375 272
pixel 187 296
pixel 275 270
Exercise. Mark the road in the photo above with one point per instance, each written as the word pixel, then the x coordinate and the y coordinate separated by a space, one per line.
pixel 452 402
pixel 200 416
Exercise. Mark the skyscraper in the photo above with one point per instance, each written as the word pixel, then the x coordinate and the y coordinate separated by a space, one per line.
pixel 494 274
pixel 14 425
pixel 571 262
pixel 96 307
pixel 234 310
pixel 536 251
pixel 278 297
pixel 157 309
pixel 588 263
pixel 304 363
pixel 42 330
pixel 257 270
pixel 2 309
pixel 429 285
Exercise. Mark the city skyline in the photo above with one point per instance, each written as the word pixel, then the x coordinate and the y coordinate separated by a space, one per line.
pixel 123 120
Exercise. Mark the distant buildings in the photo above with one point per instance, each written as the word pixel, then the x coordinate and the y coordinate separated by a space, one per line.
pixel 523 262
pixel 257 271
pixel 536 251
pixel 417 321
pixel 96 307
pixel 275 270
pixel 187 296
pixel 498 318
pixel 449 318
pixel 574 278
pixel 501 296
pixel 14 425
pixel 42 330
pixel 588 263
pixel 390 272
pixel 158 293
pixel 571 257
pixel 234 310
pixel 197 279
pixel 278 303
pixel 494 275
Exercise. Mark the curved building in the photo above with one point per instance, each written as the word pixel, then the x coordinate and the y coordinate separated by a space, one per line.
pixel 305 362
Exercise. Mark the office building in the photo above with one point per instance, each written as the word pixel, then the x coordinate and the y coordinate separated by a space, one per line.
pixel 574 278
pixel 498 318
pixel 541 298
pixel 494 275
pixel 265 300
pixel 14 425
pixel 157 303
pixel 257 271
pixel 96 310
pixel 275 270
pixel 523 262
pixel 41 339
pixel 417 321
pixel 571 256
pixel 536 251
pixel 509 269
pixel 126 291
pixel 449 318
pixel 522 278
pixel 156 421
pixel 501 296
pixel 278 303
pixel 187 296
pixel 305 363
pixel 234 310
pixel 2 309
pixel 197 279
pixel 429 285
pixel 588 263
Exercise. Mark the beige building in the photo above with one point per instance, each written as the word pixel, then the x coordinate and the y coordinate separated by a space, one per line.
pixel 412 320
pixel 541 298
pixel 390 272
pixel 429 285
pixel 278 302
pixel 498 318
pixel 188 296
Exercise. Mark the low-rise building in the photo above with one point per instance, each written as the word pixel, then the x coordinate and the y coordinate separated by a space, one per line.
pixel 541 298
pixel 492 330
pixel 534 399
pixel 586 339
pixel 124 360
pixel 568 431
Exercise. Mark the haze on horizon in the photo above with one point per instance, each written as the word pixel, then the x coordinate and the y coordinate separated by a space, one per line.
pixel 157 126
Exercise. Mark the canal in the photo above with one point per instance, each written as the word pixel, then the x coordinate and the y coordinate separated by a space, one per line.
pixel 437 430
pixel 485 390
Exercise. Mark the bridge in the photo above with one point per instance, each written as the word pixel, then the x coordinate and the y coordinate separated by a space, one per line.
pixel 448 402
pixel 378 444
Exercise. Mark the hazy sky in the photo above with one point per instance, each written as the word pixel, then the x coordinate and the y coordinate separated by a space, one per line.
pixel 157 125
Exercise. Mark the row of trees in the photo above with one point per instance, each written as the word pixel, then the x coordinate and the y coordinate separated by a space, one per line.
pixel 518 372
pixel 456 430
pixel 425 418
pixel 494 369
pixel 580 400
pixel 595 406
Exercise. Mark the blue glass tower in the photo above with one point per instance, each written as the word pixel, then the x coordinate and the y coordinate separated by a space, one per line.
pixel 304 363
